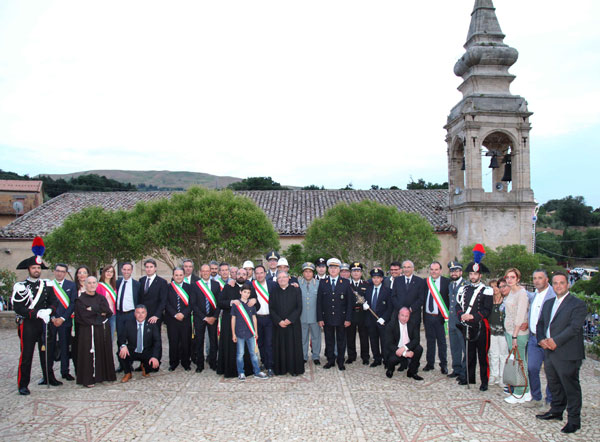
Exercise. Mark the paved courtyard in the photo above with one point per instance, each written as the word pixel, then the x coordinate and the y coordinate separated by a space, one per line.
pixel 360 404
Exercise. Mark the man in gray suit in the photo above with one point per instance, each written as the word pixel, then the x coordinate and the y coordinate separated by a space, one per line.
pixel 457 342
pixel 535 353
pixel 308 319
pixel 560 333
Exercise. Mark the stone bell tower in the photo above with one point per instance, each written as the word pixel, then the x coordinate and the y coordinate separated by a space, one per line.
pixel 491 200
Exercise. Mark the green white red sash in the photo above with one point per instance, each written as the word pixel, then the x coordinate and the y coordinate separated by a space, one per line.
pixel 220 281
pixel 207 292
pixel 261 290
pixel 110 291
pixel 246 317
pixel 181 293
pixel 437 297
pixel 61 294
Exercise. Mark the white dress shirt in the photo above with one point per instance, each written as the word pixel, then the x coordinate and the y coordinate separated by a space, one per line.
pixel 536 309
pixel 128 299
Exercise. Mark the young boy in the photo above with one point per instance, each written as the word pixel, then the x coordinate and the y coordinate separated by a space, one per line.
pixel 243 329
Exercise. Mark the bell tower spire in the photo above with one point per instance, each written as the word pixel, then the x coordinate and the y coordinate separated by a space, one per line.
pixel 489 124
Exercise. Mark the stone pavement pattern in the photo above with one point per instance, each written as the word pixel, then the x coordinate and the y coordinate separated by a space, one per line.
pixel 360 404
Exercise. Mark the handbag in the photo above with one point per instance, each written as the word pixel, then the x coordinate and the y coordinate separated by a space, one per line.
pixel 514 371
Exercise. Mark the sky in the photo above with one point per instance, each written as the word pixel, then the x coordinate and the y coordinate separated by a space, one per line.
pixel 308 92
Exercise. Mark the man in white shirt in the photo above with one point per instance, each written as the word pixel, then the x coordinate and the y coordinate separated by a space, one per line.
pixel 535 354
pixel 402 345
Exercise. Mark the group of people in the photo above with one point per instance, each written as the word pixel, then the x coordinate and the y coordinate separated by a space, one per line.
pixel 225 313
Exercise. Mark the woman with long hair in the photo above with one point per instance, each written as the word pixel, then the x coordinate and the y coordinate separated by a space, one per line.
pixel 107 287
pixel 516 314
pixel 81 274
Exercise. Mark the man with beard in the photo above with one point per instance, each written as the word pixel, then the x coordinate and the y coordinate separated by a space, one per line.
pixel 34 303
pixel 475 302
pixel 230 295
pixel 457 342
pixel 214 269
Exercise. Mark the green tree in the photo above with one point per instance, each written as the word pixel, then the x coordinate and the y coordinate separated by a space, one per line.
pixel 372 233
pixel 514 255
pixel 203 224
pixel 548 244
pixel 7 281
pixel 421 184
pixel 94 237
pixel 313 187
pixel 257 183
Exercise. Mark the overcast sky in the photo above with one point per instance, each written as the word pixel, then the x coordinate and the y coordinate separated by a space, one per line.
pixel 309 92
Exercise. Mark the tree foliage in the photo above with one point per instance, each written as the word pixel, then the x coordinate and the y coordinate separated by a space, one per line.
pixel 257 183
pixel 515 255
pixel 7 281
pixel 421 184
pixel 94 237
pixel 372 233
pixel 567 211
pixel 203 224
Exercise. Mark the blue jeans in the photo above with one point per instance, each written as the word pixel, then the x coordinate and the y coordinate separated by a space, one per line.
pixel 535 357
pixel 239 359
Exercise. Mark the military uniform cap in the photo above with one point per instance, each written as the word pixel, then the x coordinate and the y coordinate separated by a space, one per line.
pixel 282 262
pixel 455 265
pixel 345 266
pixel 356 266
pixel 334 262
pixel 272 255
pixel 477 265
pixel 38 249
pixel 376 272
pixel 320 262
pixel 308 265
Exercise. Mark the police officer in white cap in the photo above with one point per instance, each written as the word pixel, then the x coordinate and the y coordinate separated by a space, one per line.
pixel 335 301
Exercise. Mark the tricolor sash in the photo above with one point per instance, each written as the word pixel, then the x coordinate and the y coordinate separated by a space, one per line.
pixel 261 290
pixel 220 281
pixel 110 291
pixel 181 293
pixel 246 317
pixel 61 295
pixel 437 297
pixel 207 292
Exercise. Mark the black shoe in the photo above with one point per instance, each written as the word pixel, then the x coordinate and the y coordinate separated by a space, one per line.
pixel 42 382
pixel 549 416
pixel 24 391
pixel 375 364
pixel 341 367
pixel 187 368
pixel 402 367
pixel 416 377
pixel 389 373
pixel 199 369
pixel 118 370
pixel 462 381
pixel 444 370
pixel 55 382
pixel 138 369
pixel 570 428
pixel 316 362
pixel 328 365
pixel 68 377
pixel 172 368
pixel 453 375
pixel 365 362
pixel 350 360
pixel 270 373
pixel 483 387
pixel 428 368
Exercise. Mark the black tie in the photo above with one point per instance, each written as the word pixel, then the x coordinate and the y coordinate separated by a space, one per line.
pixel 374 302
pixel 430 303
pixel 147 285
pixel 333 285
pixel 122 295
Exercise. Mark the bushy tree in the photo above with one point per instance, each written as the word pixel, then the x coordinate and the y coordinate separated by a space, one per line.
pixel 7 281
pixel 257 183
pixel 372 233
pixel 421 184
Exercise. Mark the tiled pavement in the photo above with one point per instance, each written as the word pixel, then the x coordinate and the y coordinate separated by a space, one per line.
pixel 360 404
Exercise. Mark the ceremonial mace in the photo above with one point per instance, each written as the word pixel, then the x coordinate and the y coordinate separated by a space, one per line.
pixel 361 300
pixel 45 349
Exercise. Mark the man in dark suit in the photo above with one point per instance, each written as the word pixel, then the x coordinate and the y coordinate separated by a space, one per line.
pixel 178 309
pixel 61 324
pixel 409 291
pixel 139 341
pixel 402 345
pixel 378 299
pixel 206 314
pixel 189 277
pixel 435 315
pixel 127 298
pixel 153 294
pixel 358 318
pixel 335 301
pixel 560 333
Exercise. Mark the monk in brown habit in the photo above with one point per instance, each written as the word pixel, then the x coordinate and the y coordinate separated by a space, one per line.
pixel 94 344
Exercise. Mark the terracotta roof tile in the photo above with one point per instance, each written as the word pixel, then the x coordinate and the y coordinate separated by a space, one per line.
pixel 20 186
pixel 290 211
